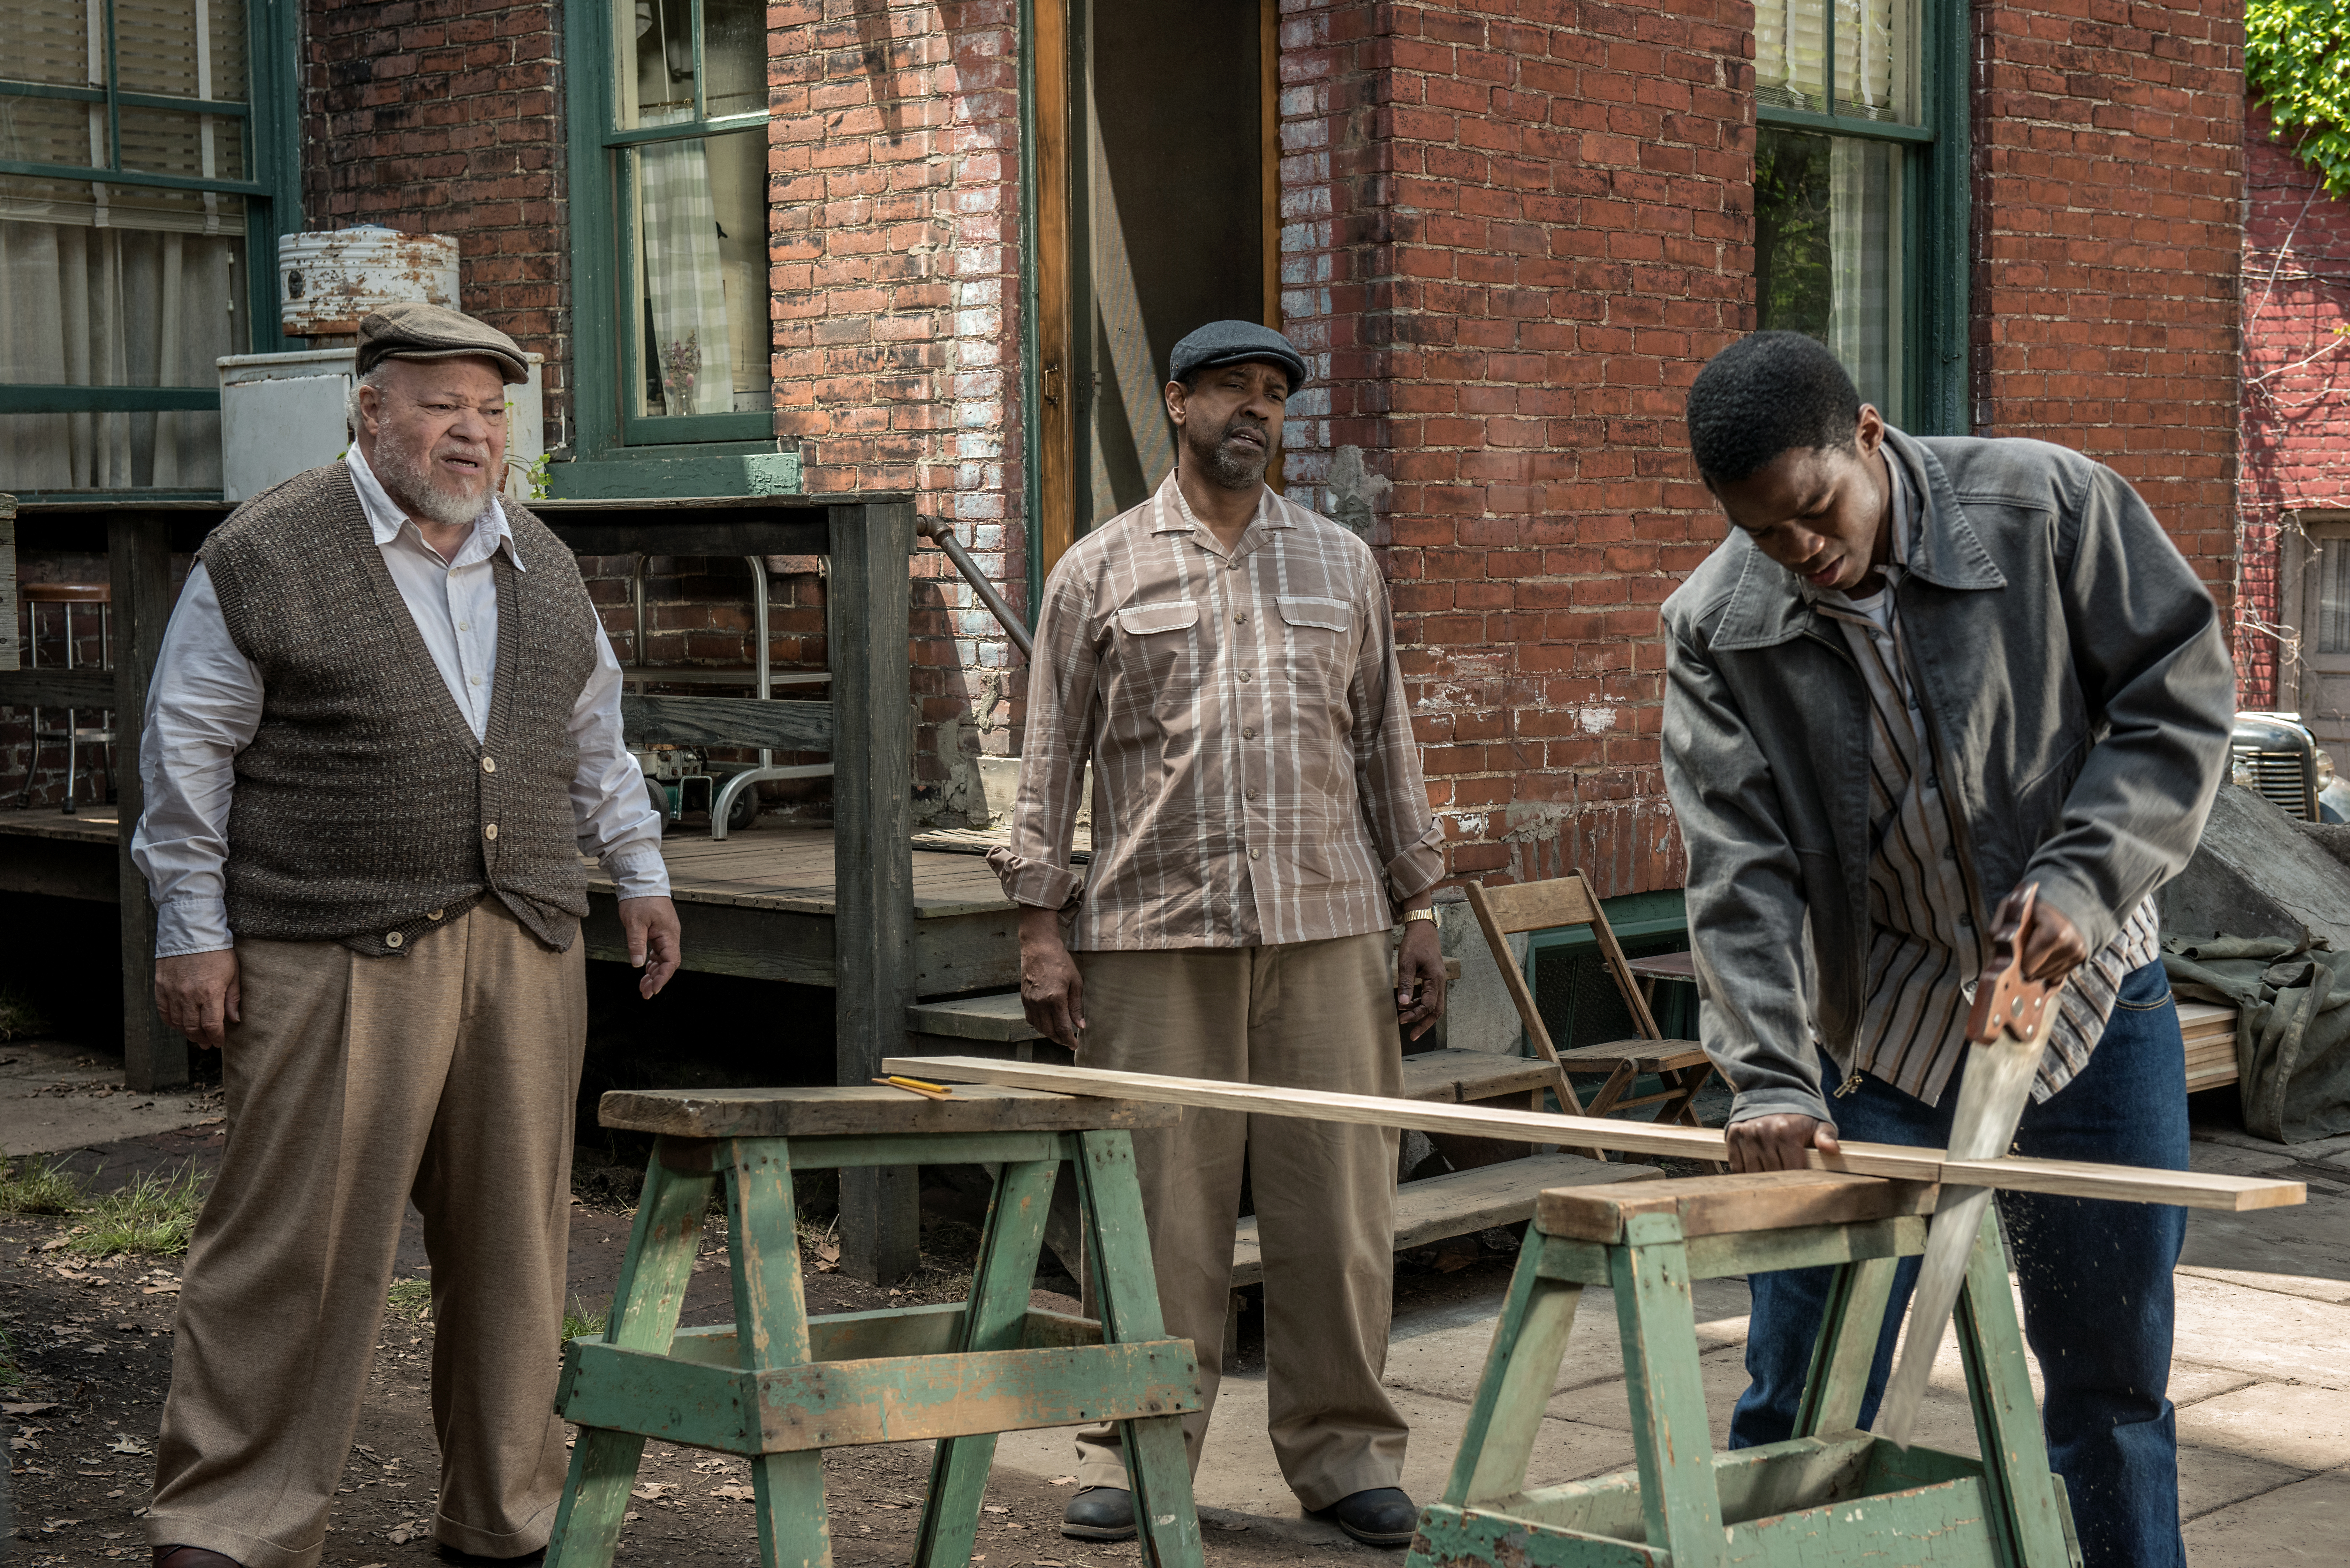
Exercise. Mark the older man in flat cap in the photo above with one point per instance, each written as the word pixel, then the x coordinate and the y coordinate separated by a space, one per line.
pixel 384 727
pixel 1226 660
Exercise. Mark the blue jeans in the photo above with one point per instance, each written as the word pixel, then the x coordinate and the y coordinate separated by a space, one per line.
pixel 2094 1276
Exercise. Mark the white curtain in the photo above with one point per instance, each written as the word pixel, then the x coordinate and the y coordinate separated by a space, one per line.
pixel 88 307
pixel 684 282
pixel 1874 48
pixel 1865 319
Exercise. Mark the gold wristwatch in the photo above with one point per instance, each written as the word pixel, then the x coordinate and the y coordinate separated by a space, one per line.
pixel 1411 914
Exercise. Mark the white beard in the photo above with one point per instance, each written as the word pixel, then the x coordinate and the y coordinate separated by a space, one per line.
pixel 416 483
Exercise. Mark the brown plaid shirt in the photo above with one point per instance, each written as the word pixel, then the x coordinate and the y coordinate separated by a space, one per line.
pixel 1255 779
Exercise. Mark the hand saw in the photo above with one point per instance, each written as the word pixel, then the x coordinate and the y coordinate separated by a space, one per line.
pixel 2008 1030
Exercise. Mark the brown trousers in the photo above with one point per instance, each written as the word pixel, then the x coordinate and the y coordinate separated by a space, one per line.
pixel 1317 1015
pixel 354 1086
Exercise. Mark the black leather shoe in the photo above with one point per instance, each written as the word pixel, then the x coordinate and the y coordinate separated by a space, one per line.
pixel 1382 1516
pixel 192 1557
pixel 449 1554
pixel 1099 1513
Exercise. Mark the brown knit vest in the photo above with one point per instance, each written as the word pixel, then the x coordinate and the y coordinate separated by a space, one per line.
pixel 365 812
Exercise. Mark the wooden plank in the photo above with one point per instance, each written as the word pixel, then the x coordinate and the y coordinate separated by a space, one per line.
pixel 59 868
pixel 1714 1205
pixel 2072 1178
pixel 1459 1077
pixel 139 561
pixel 866 1110
pixel 8 657
pixel 1056 322
pixel 1461 1203
pixel 996 1018
pixel 757 944
pixel 867 626
pixel 55 688
pixel 730 526
pixel 895 1400
pixel 793 726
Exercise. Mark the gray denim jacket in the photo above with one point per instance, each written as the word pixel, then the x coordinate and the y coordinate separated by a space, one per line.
pixel 2080 698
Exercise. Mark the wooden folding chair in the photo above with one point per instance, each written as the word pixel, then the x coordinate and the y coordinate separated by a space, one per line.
pixel 1501 912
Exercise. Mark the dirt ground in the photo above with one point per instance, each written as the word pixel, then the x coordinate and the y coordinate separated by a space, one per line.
pixel 94 1343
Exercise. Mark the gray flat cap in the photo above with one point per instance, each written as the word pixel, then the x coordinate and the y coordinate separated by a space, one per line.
pixel 431 332
pixel 1235 343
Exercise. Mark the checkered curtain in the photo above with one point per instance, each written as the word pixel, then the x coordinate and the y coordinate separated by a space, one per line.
pixel 677 223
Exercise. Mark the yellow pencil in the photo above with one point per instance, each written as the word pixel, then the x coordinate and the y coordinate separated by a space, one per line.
pixel 917 1086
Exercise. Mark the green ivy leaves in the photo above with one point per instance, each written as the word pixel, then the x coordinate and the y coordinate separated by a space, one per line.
pixel 2297 65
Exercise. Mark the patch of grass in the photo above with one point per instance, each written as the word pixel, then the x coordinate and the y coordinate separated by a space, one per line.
pixel 19 1018
pixel 579 1319
pixel 153 1216
pixel 411 1299
pixel 34 1185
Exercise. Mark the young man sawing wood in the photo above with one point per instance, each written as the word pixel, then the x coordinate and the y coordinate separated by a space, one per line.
pixel 1918 675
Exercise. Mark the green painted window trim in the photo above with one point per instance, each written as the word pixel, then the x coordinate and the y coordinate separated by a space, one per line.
pixel 1936 218
pixel 735 450
pixel 273 204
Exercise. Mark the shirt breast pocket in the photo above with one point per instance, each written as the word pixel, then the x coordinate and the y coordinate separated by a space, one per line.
pixel 1317 643
pixel 1159 643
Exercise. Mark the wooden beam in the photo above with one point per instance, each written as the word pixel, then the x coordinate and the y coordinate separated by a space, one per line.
pixel 728 721
pixel 56 688
pixel 139 559
pixel 798 531
pixel 1054 530
pixel 867 606
pixel 2059 1178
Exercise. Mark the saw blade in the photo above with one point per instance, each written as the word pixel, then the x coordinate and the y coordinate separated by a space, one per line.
pixel 1992 1097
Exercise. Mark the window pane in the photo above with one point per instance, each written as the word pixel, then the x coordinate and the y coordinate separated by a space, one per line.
pixel 26 200
pixel 1827 252
pixel 51 131
pixel 654 61
pixel 192 146
pixel 49 41
pixel 115 306
pixel 184 48
pixel 2331 632
pixel 701 271
pixel 1875 49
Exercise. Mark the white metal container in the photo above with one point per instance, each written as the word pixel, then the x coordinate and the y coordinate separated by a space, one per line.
pixel 327 281
pixel 283 413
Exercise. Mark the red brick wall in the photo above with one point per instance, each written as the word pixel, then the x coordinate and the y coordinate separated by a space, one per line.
pixel 2296 428
pixel 2108 157
pixel 895 246
pixel 441 117
pixel 1512 235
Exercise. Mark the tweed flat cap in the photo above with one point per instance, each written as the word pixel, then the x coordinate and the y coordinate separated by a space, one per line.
pixel 1235 343
pixel 431 332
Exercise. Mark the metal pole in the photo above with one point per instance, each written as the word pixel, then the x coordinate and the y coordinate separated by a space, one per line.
pixel 941 534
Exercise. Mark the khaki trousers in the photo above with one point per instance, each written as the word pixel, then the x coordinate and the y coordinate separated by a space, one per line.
pixel 354 1086
pixel 1317 1016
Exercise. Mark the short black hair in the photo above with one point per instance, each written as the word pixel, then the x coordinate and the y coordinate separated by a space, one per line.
pixel 1767 393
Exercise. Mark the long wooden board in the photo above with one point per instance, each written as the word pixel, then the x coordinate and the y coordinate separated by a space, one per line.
pixel 2064 1178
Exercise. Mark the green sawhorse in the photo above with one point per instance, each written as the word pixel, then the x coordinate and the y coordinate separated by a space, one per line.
pixel 1829 1496
pixel 780 1386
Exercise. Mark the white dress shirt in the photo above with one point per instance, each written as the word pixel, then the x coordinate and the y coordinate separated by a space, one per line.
pixel 205 705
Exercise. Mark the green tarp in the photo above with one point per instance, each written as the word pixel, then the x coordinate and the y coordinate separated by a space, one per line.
pixel 2292 1026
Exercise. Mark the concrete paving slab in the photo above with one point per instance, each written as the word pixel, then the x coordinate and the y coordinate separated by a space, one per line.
pixel 2311 1287
pixel 55 1096
pixel 2264 1332
pixel 1239 1481
pixel 2237 1137
pixel 1447 1361
pixel 2304 1522
pixel 2292 1425
pixel 2235 1160
pixel 2212 1478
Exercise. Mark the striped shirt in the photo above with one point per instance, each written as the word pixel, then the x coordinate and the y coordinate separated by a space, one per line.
pixel 1255 778
pixel 1927 942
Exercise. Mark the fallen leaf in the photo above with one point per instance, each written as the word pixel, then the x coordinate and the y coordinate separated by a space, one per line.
pixel 654 1491
pixel 26 1409
pixel 993 1508
pixel 124 1443
pixel 736 1491
pixel 1063 1480
pixel 630 1518
pixel 54 1525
